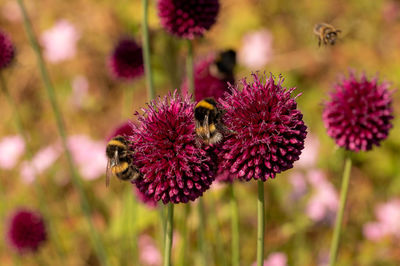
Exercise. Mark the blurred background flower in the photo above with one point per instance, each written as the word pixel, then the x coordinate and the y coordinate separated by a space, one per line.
pixel 26 231
pixel 206 84
pixel 188 18
pixel 59 42
pixel 387 224
pixel 126 60
pixel 256 49
pixel 275 259
pixel 89 155
pixel 11 149
pixel 7 51
pixel 149 253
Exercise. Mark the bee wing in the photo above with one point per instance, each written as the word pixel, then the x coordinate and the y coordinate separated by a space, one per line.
pixel 108 173
pixel 205 125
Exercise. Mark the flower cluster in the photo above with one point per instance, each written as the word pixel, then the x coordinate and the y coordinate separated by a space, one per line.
pixel 174 168
pixel 359 113
pixel 188 18
pixel 7 51
pixel 268 129
pixel 26 231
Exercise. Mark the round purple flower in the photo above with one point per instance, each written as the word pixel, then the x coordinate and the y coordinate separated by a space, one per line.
pixel 7 51
pixel 359 113
pixel 175 169
pixel 126 60
pixel 188 18
pixel 268 129
pixel 26 231
pixel 205 84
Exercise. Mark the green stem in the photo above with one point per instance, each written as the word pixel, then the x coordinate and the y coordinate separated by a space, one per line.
pixel 260 224
pixel 168 235
pixel 185 235
pixel 216 232
pixel 339 217
pixel 98 246
pixel 235 227
pixel 146 52
pixel 202 241
pixel 38 188
pixel 189 67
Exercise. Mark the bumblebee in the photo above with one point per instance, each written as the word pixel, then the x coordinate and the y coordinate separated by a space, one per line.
pixel 224 64
pixel 208 121
pixel 327 34
pixel 120 160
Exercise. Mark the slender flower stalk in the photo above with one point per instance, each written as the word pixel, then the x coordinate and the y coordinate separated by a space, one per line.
pixel 185 236
pixel 146 52
pixel 339 217
pixel 202 240
pixel 190 75
pixel 39 191
pixel 235 227
pixel 189 67
pixel 168 235
pixel 216 232
pixel 260 223
pixel 98 246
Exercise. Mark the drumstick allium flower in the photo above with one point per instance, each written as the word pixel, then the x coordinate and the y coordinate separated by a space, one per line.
pixel 26 231
pixel 7 51
pixel 359 113
pixel 174 168
pixel 268 129
pixel 188 18
pixel 126 60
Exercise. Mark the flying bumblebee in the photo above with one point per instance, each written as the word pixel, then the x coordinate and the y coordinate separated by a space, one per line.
pixel 120 160
pixel 208 121
pixel 327 34
pixel 224 64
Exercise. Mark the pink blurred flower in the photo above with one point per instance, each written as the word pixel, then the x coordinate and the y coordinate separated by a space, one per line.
pixel 80 87
pixel 388 217
pixel 11 11
pixel 309 156
pixel 60 41
pixel 275 259
pixel 11 148
pixel 89 155
pixel 324 202
pixel 299 185
pixel 149 253
pixel 390 11
pixel 256 50
pixel 373 231
pixel 39 163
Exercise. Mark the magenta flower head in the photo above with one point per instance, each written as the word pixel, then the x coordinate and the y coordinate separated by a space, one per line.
pixel 174 168
pixel 359 113
pixel 26 231
pixel 268 129
pixel 7 51
pixel 126 60
pixel 188 18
